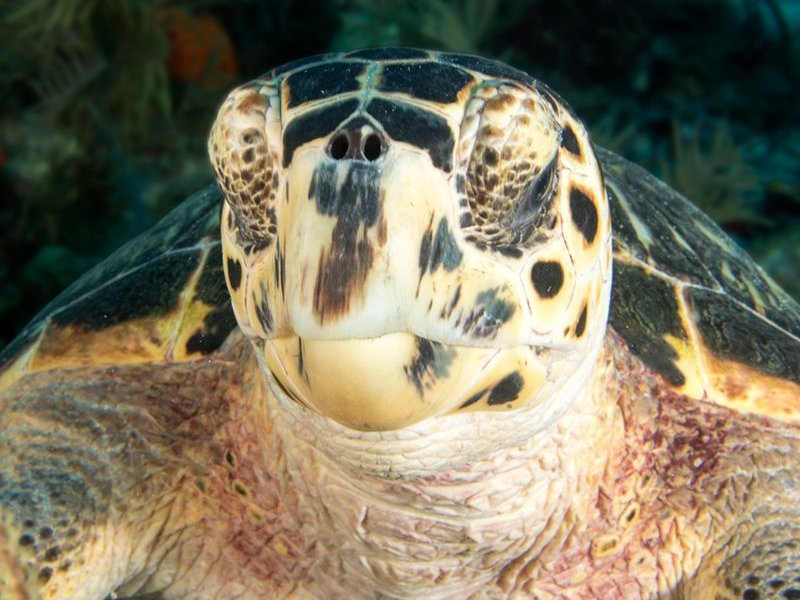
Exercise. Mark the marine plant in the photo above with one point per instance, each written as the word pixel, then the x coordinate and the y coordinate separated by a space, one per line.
pixel 709 167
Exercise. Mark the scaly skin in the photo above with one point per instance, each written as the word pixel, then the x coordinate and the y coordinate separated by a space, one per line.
pixel 196 483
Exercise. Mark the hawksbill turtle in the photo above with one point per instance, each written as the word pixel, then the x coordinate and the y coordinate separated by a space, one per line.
pixel 433 345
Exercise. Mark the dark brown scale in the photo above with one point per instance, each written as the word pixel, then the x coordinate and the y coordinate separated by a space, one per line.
pixel 580 326
pixel 547 277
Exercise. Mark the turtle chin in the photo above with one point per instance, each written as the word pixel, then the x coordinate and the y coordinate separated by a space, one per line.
pixel 398 379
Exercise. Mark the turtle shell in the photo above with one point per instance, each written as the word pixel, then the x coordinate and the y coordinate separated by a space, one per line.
pixel 692 305
pixel 159 298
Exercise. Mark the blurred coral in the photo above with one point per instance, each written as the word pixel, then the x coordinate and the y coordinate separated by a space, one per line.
pixel 200 50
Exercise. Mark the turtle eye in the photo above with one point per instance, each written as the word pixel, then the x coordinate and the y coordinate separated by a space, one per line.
pixel 512 170
pixel 244 167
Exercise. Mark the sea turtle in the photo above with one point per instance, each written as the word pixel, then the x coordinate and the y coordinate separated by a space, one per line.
pixel 409 387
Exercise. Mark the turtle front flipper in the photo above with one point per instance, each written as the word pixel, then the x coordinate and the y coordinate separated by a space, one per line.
pixel 126 480
pixel 759 557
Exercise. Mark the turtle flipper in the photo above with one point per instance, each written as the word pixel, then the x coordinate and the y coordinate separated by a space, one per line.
pixel 760 561
pixel 80 487
pixel 102 471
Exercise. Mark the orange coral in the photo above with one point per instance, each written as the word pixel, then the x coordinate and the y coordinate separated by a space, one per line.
pixel 201 52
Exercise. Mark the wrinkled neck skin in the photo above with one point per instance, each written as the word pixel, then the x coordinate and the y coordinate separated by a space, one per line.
pixel 444 505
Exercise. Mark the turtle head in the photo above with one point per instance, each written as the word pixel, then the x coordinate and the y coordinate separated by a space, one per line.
pixel 402 244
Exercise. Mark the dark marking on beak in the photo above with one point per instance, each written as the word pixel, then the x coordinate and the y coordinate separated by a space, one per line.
pixel 506 390
pixel 353 197
pixel 473 399
pixel 288 393
pixel 431 361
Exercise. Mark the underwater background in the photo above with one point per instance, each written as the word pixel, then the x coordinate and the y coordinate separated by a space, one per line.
pixel 105 105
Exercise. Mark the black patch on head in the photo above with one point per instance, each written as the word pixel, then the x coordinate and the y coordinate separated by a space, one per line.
pixel 354 199
pixel 547 277
pixel 425 250
pixel 234 273
pixel 428 81
pixel 488 315
pixel 473 399
pixel 506 390
pixel 644 309
pixel 313 125
pixel 492 68
pixel 733 333
pixel 580 326
pixel 570 142
pixel 445 250
pixel 263 312
pixel 431 361
pixel 584 213
pixel 148 292
pixel 388 53
pixel 323 81
pixel 421 128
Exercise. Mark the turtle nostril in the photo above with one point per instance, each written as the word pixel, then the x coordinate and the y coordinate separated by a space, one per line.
pixel 372 147
pixel 339 146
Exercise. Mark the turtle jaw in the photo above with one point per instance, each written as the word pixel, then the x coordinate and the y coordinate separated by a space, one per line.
pixel 400 379
pixel 379 424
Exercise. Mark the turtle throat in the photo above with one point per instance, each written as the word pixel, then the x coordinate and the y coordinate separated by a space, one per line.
pixel 439 508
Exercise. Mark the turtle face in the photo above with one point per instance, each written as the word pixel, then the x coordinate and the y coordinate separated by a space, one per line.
pixel 412 239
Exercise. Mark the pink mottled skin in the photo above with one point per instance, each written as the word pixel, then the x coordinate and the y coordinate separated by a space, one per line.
pixel 637 493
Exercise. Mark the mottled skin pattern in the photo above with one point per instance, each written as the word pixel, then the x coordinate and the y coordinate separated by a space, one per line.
pixel 150 448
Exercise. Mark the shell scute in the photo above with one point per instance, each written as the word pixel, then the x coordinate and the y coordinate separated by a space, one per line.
pixel 693 306
pixel 161 297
